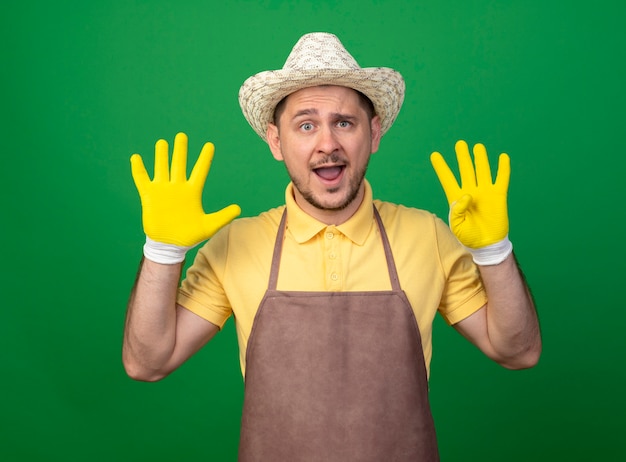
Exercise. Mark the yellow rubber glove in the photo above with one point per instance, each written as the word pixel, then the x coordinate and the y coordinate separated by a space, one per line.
pixel 172 211
pixel 478 208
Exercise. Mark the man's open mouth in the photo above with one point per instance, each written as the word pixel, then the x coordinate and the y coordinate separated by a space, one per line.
pixel 330 173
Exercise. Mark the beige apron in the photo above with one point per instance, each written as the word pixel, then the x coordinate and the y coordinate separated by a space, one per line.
pixel 336 376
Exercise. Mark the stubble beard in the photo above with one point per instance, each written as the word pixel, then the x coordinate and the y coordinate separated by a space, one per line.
pixel 353 191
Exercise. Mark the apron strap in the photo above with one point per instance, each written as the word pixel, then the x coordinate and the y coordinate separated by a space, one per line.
pixel 391 264
pixel 278 247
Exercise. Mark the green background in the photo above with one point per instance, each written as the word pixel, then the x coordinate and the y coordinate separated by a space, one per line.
pixel 86 84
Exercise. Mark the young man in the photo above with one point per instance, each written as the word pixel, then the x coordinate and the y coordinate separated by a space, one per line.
pixel 334 293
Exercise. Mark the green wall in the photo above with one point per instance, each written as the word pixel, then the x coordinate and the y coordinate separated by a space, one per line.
pixel 86 84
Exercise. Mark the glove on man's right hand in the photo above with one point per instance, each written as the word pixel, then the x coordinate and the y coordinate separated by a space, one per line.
pixel 172 211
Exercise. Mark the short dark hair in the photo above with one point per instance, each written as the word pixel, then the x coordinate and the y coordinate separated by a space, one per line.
pixel 366 104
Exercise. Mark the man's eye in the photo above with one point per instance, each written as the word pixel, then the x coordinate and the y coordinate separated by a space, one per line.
pixel 344 124
pixel 306 127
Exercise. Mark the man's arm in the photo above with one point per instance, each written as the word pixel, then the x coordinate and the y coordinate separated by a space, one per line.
pixel 506 329
pixel 160 335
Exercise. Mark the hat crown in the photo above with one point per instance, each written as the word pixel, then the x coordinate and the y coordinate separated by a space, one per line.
pixel 320 50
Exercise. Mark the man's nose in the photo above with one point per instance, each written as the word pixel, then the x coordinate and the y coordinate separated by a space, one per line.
pixel 327 141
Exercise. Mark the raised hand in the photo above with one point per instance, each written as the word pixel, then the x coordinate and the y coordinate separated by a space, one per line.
pixel 172 211
pixel 478 207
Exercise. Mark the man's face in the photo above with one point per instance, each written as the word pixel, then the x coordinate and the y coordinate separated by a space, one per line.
pixel 325 137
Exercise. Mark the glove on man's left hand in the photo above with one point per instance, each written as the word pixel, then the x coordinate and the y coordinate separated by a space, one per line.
pixel 478 208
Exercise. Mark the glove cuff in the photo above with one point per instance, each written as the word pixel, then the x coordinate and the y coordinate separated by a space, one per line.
pixel 493 254
pixel 166 254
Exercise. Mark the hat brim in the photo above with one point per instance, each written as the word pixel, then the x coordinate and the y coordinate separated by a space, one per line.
pixel 260 93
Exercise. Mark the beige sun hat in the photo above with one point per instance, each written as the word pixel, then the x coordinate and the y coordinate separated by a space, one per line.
pixel 320 59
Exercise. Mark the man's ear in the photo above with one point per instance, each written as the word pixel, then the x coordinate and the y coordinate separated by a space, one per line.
pixel 273 140
pixel 376 133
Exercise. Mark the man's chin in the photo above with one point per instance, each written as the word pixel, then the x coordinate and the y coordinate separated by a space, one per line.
pixel 334 200
pixel 330 198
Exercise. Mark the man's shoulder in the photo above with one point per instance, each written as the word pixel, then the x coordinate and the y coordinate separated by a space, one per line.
pixel 265 222
pixel 390 211
pixel 419 229
pixel 246 235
